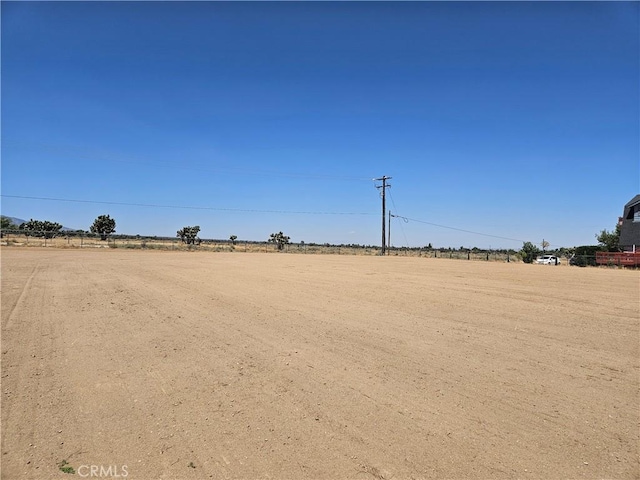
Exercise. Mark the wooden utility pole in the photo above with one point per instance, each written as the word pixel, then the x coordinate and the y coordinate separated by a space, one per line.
pixel 389 231
pixel 384 186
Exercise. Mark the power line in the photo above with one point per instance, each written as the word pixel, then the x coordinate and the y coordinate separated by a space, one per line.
pixel 241 210
pixel 465 231
pixel 407 219
pixel 186 207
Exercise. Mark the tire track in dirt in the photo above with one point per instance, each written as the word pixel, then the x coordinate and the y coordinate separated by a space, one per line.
pixel 30 359
pixel 10 316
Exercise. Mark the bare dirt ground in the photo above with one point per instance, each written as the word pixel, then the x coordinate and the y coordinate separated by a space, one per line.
pixel 179 365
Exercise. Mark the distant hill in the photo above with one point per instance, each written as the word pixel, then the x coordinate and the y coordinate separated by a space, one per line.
pixel 17 221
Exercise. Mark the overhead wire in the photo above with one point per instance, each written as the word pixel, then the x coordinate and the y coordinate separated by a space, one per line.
pixel 294 212
pixel 407 219
pixel 188 207
pixel 466 231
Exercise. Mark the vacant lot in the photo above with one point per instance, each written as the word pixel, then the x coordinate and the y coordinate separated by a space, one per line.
pixel 249 366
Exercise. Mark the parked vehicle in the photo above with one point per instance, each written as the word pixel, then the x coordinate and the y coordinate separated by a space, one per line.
pixel 548 260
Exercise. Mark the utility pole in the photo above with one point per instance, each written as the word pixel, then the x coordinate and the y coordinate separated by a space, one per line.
pixel 384 186
pixel 391 215
pixel 389 231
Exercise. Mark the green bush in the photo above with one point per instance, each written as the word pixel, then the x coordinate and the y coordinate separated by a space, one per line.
pixel 529 252
pixel 585 255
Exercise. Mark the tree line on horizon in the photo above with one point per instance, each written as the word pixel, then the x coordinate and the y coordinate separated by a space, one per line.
pixel 105 226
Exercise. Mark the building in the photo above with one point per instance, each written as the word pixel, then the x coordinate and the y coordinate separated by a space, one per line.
pixel 630 226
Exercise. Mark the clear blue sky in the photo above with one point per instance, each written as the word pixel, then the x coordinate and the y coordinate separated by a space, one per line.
pixel 514 119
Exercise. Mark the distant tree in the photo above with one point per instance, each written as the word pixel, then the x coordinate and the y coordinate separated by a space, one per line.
pixel 280 239
pixel 104 225
pixel 609 241
pixel 233 239
pixel 566 251
pixel 189 235
pixel 529 252
pixel 544 245
pixel 585 255
pixel 7 224
pixel 40 228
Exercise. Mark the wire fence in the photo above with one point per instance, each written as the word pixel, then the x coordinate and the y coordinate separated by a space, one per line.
pixel 84 240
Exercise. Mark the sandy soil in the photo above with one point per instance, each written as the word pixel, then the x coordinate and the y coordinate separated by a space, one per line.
pixel 180 365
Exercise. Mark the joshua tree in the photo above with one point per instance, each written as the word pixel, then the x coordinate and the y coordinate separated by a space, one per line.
pixel 104 225
pixel 280 239
pixel 189 235
pixel 40 228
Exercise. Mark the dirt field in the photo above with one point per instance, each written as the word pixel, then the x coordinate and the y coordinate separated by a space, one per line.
pixel 179 365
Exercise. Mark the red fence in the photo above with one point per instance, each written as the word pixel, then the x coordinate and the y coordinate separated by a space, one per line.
pixel 621 259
